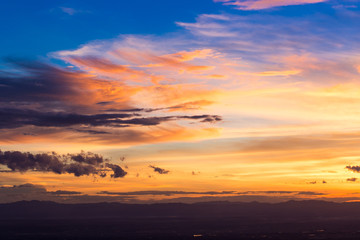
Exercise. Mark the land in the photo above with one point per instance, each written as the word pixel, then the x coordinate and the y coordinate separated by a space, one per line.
pixel 211 220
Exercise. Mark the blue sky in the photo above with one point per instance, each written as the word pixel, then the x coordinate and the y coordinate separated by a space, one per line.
pixel 34 28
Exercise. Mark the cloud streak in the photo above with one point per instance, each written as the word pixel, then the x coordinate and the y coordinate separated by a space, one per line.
pixel 14 118
pixel 30 191
pixel 264 4
pixel 68 10
pixel 165 193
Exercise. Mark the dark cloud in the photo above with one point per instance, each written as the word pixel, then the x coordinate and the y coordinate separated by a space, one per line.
pixel 314 182
pixel 24 186
pixel 212 119
pixel 353 168
pixel 184 106
pixel 84 163
pixel 90 131
pixel 157 120
pixel 15 118
pixel 29 134
pixel 30 191
pixel 311 193
pixel 105 103
pixel 147 110
pixel 351 179
pixel 63 192
pixel 87 157
pixel 19 161
pixel 118 171
pixel 79 169
pixel 165 193
pixel 277 192
pixel 281 192
pixel 34 81
pixel 22 189
pixel 159 170
pixel 204 118
pixel 266 192
pixel 40 99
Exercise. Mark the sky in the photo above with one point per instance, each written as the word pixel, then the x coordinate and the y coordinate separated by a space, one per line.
pixel 179 101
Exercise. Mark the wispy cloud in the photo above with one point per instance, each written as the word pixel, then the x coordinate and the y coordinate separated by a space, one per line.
pixel 67 10
pixel 72 11
pixel 263 4
pixel 165 193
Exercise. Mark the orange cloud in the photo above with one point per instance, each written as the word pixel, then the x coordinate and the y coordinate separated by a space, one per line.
pixel 177 94
pixel 191 105
pixel 179 60
pixel 156 80
pixel 358 68
pixel 216 76
pixel 97 105
pixel 278 73
pixel 188 56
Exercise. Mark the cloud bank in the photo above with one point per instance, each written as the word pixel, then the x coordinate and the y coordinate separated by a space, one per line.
pixel 76 164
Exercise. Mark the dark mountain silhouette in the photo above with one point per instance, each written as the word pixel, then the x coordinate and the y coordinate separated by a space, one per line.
pixel 252 210
pixel 210 220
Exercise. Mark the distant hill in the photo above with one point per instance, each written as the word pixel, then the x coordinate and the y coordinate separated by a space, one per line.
pixel 291 210
pixel 295 220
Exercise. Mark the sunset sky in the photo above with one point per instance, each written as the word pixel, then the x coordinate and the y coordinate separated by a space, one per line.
pixel 185 101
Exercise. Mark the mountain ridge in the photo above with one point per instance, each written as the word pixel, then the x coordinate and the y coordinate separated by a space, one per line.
pixel 306 209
